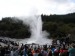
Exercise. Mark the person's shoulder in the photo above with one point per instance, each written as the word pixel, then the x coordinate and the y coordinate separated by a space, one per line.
pixel 73 48
pixel 69 49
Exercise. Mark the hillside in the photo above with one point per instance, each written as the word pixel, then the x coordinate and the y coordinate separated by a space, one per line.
pixel 56 25
pixel 59 25
pixel 9 27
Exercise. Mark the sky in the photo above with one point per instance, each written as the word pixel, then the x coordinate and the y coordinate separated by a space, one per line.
pixel 10 8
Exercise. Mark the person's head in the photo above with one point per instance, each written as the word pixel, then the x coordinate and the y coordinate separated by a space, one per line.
pixel 49 49
pixel 36 51
pixel 73 45
pixel 11 48
pixel 61 48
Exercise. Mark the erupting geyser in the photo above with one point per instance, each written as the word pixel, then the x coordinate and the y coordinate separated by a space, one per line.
pixel 37 35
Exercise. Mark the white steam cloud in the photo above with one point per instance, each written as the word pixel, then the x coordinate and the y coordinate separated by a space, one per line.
pixel 37 35
pixel 34 21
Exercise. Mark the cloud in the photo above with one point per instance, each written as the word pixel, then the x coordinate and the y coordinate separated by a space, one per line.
pixel 60 6
pixel 60 1
pixel 29 7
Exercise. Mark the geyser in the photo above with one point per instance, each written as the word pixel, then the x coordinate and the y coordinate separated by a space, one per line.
pixel 37 35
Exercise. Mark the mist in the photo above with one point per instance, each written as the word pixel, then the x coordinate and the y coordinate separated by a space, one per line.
pixel 35 27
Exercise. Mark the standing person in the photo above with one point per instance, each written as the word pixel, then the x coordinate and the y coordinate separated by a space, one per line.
pixel 61 52
pixel 21 50
pixel 36 53
pixel 49 52
pixel 56 52
pixel 16 52
pixel 40 53
pixel 12 52
pixel 72 50
pixel 45 53
pixel 7 51
pixel 24 53
pixel 25 50
pixel 2 51
pixel 29 52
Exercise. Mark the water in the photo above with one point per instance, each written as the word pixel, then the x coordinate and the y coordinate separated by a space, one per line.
pixel 37 35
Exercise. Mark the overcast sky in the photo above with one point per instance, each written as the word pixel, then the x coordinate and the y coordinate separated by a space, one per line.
pixel 31 7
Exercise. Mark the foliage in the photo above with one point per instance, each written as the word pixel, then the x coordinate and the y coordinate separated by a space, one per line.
pixel 55 25
pixel 9 27
pixel 59 25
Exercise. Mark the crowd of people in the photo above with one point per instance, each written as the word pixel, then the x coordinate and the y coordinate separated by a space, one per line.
pixel 38 50
pixel 8 42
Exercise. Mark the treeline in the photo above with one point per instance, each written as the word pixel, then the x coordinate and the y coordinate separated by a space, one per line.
pixel 14 28
pixel 67 18
pixel 59 25
pixel 56 25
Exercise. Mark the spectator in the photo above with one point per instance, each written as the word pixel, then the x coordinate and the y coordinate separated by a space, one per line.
pixel 72 50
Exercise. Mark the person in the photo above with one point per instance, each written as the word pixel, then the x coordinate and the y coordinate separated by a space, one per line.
pixel 7 51
pixel 45 52
pixel 67 40
pixel 72 50
pixel 61 52
pixel 25 50
pixel 56 52
pixel 21 50
pixel 16 52
pixel 12 52
pixel 36 53
pixel 49 52
pixel 2 51
pixel 29 52
pixel 40 52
